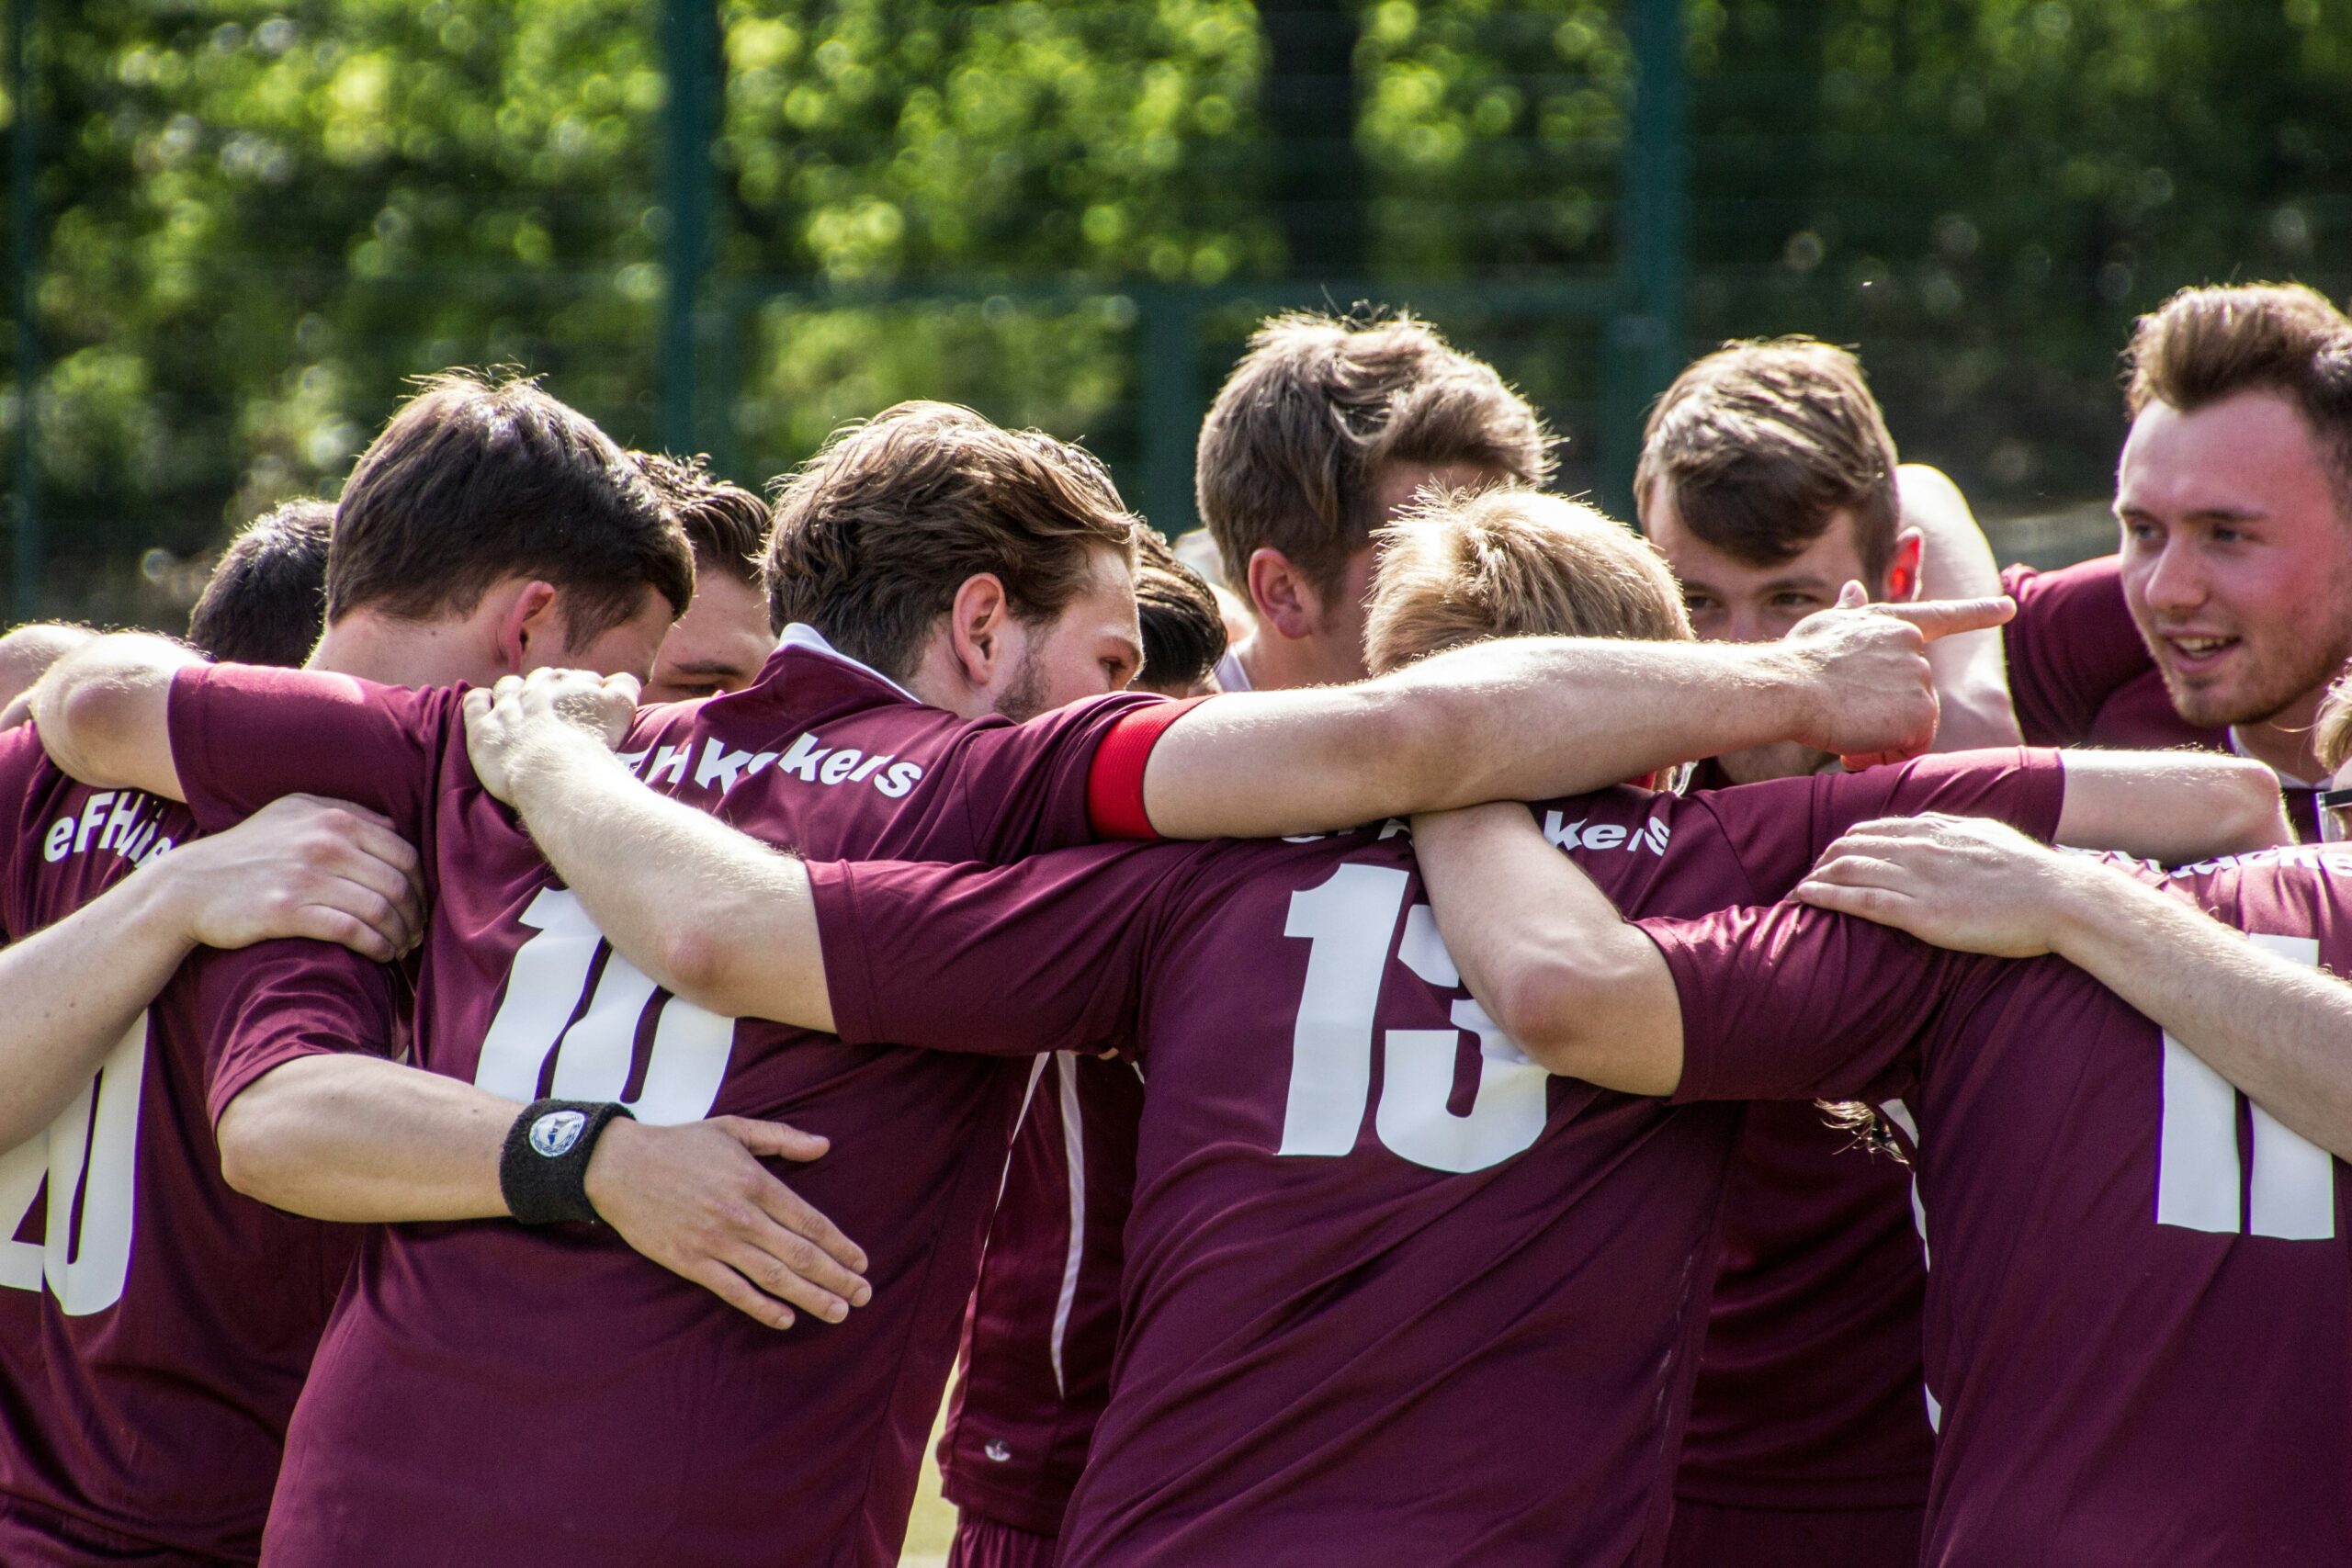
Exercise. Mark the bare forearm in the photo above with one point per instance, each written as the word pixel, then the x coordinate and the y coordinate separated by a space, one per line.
pixel 70 992
pixel 2171 806
pixel 1548 955
pixel 2279 1030
pixel 708 912
pixel 358 1138
pixel 1521 719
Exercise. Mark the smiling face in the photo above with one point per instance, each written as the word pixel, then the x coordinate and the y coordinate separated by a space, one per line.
pixel 2236 558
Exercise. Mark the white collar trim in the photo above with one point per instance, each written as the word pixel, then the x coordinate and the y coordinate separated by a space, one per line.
pixel 801 635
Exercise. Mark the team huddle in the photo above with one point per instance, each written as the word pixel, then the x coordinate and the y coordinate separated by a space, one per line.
pixel 1484 1036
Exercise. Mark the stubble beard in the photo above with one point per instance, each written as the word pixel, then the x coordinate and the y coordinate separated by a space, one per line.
pixel 1024 698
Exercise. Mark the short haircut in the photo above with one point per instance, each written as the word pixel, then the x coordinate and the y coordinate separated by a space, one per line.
pixel 1760 444
pixel 1460 569
pixel 2332 736
pixel 266 600
pixel 475 482
pixel 1290 453
pixel 876 533
pixel 726 524
pixel 1183 629
pixel 2204 345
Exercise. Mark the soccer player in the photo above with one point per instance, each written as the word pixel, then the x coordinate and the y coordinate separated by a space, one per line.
pixel 484 1391
pixel 720 642
pixel 160 1324
pixel 1769 481
pixel 2137 1304
pixel 1324 431
pixel 266 600
pixel 2234 498
pixel 1387 1279
pixel 1034 1367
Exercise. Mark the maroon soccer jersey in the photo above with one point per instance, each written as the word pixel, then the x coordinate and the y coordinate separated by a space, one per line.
pixel 1045 1316
pixel 487 1394
pixel 155 1325
pixel 2139 1284
pixel 1389 1286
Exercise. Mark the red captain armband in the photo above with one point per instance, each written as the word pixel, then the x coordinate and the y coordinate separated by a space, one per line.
pixel 1115 782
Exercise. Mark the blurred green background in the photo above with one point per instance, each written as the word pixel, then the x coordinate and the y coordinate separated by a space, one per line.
pixel 235 226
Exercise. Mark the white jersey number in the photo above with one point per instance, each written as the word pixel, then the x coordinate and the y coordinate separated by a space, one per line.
pixel 89 1153
pixel 2291 1194
pixel 544 992
pixel 1348 923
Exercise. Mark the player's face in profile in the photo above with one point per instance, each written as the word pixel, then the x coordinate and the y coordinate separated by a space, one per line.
pixel 718 645
pixel 628 649
pixel 2236 557
pixel 1093 646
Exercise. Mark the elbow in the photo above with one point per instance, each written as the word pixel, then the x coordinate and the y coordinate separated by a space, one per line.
pixel 2252 812
pixel 252 1157
pixel 694 959
pixel 1546 1006
pixel 76 708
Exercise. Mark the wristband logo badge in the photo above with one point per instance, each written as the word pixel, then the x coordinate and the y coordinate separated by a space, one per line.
pixel 554 1133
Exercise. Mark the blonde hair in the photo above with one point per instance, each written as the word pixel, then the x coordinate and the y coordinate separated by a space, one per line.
pixel 2333 736
pixel 1462 568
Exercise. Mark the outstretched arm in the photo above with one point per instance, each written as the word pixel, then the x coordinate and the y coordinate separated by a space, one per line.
pixel 1582 992
pixel 1527 719
pixel 2171 806
pixel 304 867
pixel 2276 1028
pixel 104 711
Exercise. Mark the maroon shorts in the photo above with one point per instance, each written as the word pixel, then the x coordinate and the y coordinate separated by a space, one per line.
pixel 984 1543
pixel 1707 1535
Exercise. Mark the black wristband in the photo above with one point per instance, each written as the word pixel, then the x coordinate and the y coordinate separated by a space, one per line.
pixel 543 1169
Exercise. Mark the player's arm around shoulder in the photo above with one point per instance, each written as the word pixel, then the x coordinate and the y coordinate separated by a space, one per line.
pixel 2171 806
pixel 1581 991
pixel 104 712
pixel 709 913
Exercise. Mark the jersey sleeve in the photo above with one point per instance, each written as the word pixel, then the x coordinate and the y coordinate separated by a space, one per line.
pixel 1049 954
pixel 1790 1002
pixel 2021 786
pixel 20 758
pixel 242 737
pixel 2071 645
pixel 1025 787
pixel 266 1004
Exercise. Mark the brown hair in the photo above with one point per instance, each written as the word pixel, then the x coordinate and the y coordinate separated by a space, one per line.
pixel 726 524
pixel 1183 629
pixel 876 533
pixel 1514 563
pixel 472 482
pixel 266 600
pixel 1291 455
pixel 2204 345
pixel 2332 737
pixel 1760 444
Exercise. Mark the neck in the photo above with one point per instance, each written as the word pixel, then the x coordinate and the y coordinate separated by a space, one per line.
pixel 2283 741
pixel 1277 663
pixel 397 653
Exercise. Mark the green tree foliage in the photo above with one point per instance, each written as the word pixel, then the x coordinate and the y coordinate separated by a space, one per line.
pixel 257 219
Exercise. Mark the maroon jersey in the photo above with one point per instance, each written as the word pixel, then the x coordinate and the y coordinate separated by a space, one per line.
pixel 487 1394
pixel 154 1325
pixel 2139 1284
pixel 1045 1316
pixel 1387 1280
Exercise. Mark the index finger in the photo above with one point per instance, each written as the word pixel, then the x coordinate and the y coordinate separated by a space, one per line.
pixel 1943 617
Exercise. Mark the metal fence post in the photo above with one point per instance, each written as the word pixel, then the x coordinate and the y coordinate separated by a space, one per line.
pixel 1644 340
pixel 23 257
pixel 692 61
pixel 1170 345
